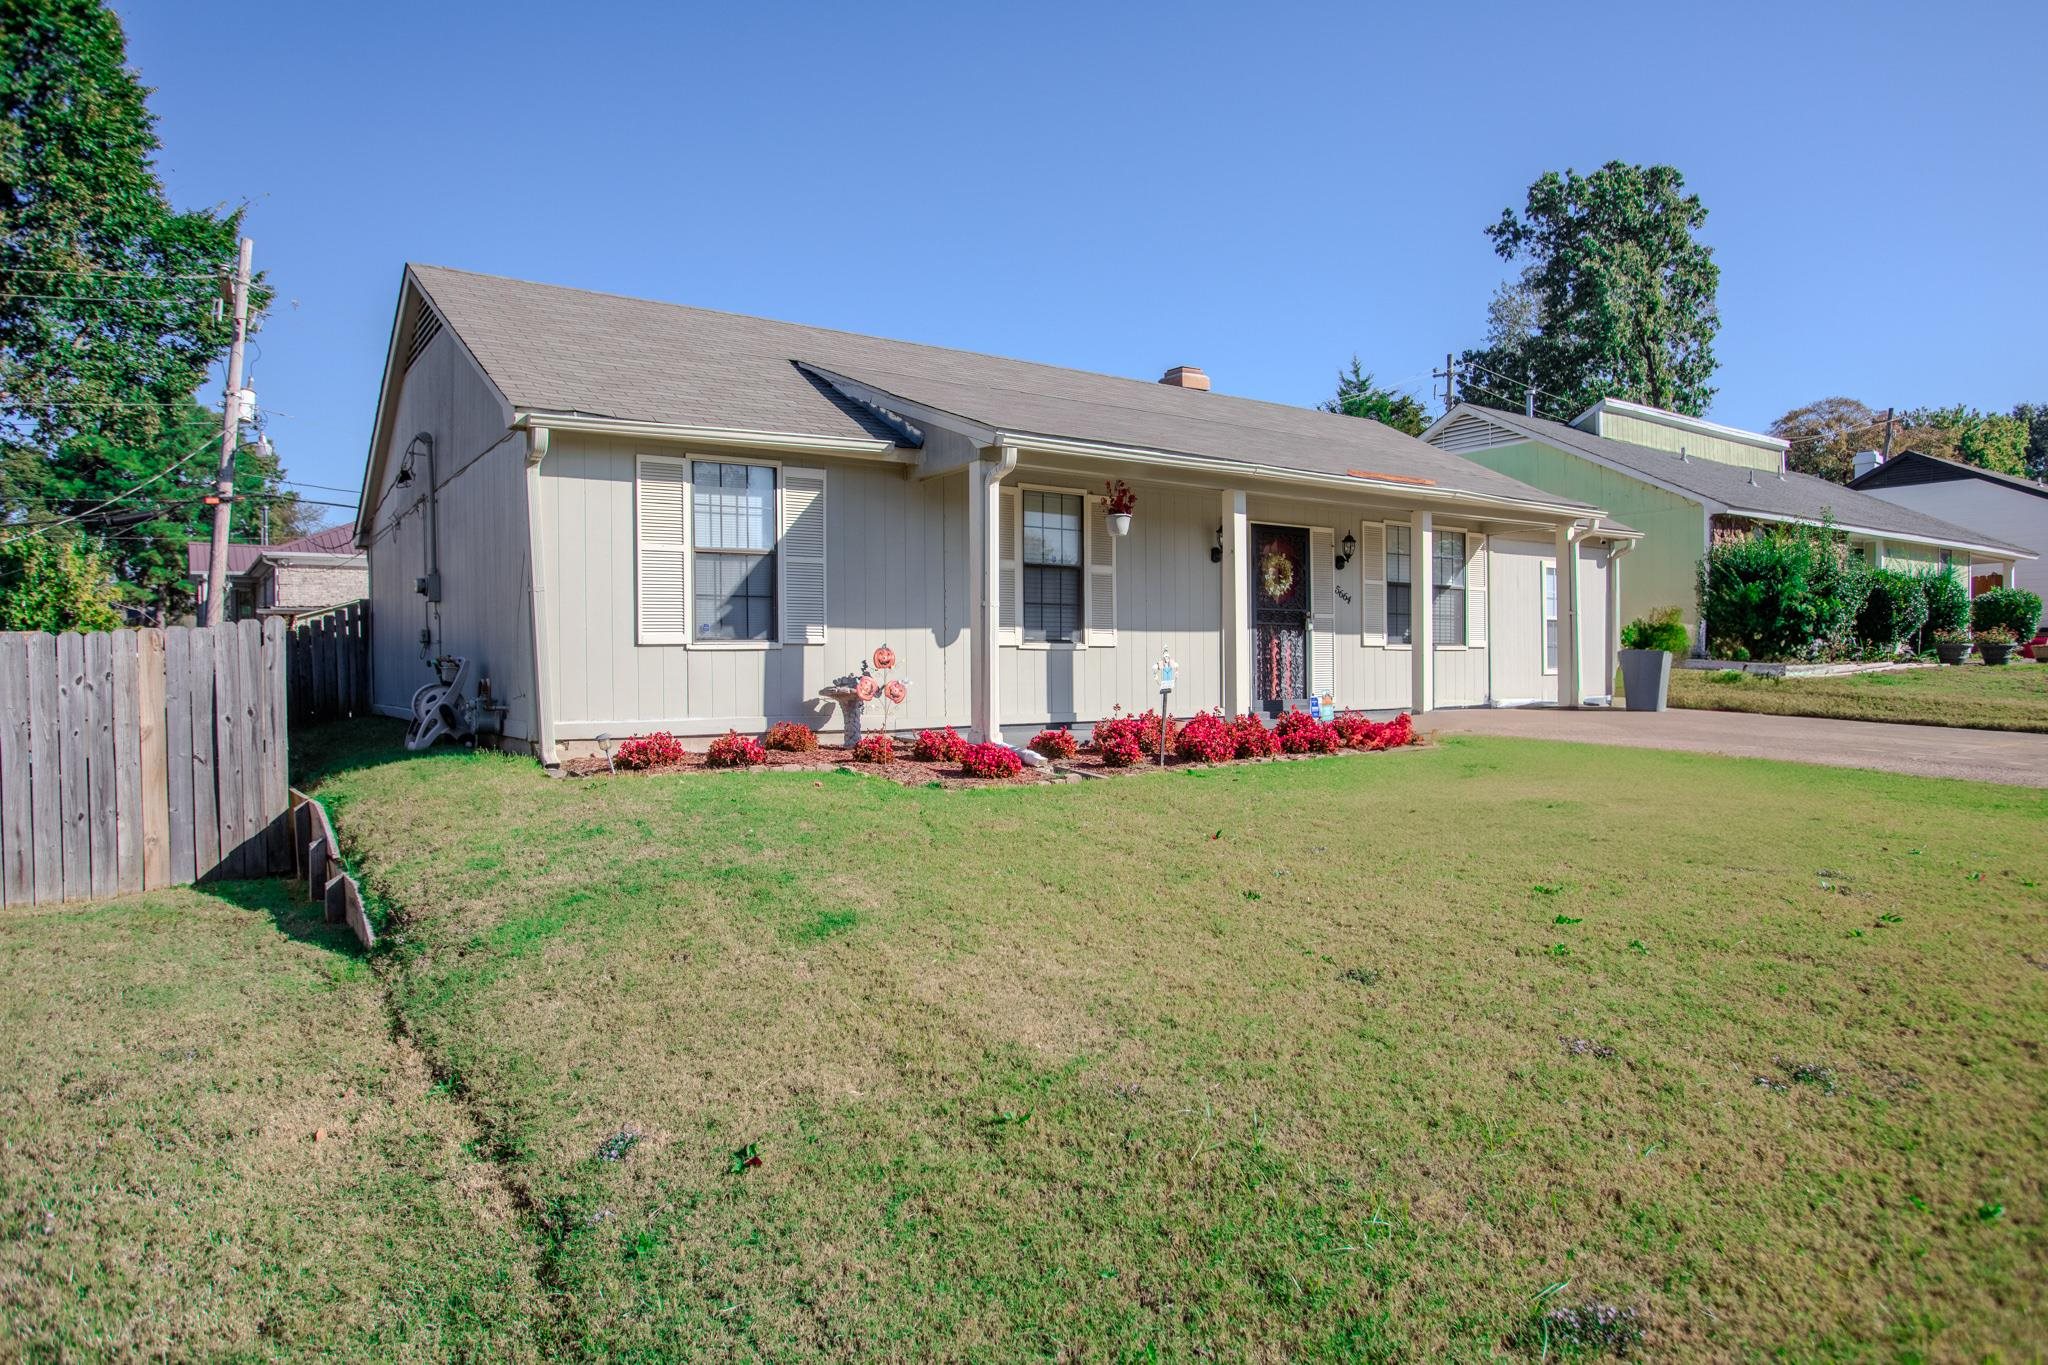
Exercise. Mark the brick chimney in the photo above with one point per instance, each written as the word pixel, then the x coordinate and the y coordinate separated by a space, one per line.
pixel 1186 377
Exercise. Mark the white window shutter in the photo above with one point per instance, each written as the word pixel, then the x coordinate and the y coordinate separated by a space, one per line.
pixel 1372 590
pixel 1010 581
pixel 1475 590
pixel 661 509
pixel 1101 555
pixel 1322 607
pixel 800 556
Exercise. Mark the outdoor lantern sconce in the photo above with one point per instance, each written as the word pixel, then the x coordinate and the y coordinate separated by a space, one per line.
pixel 1347 549
pixel 1216 550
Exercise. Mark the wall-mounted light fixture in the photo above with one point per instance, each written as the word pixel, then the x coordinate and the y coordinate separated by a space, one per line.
pixel 1216 550
pixel 1347 549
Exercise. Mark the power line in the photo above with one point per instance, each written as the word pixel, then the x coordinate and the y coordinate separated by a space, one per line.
pixel 51 526
pixel 89 273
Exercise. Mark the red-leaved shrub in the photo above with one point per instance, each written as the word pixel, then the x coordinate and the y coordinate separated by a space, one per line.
pixel 875 749
pixel 1056 743
pixel 1394 734
pixel 1118 749
pixel 1206 738
pixel 792 737
pixel 734 750
pixel 649 751
pixel 1301 733
pixel 991 760
pixel 938 746
pixel 1254 740
pixel 1354 729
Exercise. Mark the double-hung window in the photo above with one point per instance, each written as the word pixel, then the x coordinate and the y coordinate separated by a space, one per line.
pixel 1549 617
pixel 1400 571
pixel 733 550
pixel 1447 595
pixel 1052 566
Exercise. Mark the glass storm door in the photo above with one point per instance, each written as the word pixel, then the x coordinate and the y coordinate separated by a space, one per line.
pixel 1279 616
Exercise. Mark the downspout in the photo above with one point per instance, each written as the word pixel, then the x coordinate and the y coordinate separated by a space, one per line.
pixel 536 599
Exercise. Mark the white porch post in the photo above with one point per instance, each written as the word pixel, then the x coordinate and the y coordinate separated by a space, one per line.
pixel 984 576
pixel 1569 652
pixel 1237 645
pixel 1421 617
pixel 1615 550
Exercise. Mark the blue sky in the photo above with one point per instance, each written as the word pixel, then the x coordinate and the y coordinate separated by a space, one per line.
pixel 1258 190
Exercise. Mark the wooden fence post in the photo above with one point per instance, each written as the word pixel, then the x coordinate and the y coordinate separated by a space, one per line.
pixel 152 715
pixel 17 825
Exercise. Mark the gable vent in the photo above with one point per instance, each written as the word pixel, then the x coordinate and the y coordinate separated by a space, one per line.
pixel 1471 432
pixel 425 328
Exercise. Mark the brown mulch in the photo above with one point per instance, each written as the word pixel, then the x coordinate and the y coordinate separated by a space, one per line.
pixel 911 773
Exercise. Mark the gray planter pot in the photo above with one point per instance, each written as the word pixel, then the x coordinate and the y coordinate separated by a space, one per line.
pixel 1645 677
pixel 1953 653
pixel 1995 654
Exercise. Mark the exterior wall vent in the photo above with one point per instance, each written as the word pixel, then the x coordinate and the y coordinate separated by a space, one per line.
pixel 425 328
pixel 1472 432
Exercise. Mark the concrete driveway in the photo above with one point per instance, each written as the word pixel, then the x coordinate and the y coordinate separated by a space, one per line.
pixel 1919 750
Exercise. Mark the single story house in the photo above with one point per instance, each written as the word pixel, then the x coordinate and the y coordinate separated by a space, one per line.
pixel 634 516
pixel 324 569
pixel 2013 509
pixel 1686 483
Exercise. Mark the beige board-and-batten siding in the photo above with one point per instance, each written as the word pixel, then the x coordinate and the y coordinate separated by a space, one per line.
pixel 897 573
pixel 484 614
pixel 137 759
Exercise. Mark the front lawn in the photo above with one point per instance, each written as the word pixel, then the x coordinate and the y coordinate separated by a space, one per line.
pixel 212 1146
pixel 2011 697
pixel 1425 1054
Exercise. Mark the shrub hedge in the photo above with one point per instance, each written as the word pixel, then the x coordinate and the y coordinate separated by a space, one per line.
pixel 2015 609
pixel 1894 610
pixel 1788 594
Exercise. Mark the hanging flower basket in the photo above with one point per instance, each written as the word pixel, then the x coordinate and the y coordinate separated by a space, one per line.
pixel 1121 502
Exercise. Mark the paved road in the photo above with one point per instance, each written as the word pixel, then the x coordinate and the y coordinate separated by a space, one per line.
pixel 1921 750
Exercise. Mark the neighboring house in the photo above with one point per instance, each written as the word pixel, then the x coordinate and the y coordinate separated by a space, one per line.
pixel 324 569
pixel 2013 509
pixel 634 516
pixel 1686 483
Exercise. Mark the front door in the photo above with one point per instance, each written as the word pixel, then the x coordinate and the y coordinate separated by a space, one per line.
pixel 1279 616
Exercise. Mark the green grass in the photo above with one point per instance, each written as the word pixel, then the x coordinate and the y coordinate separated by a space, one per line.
pixel 2011 697
pixel 1360 1058
pixel 165 1062
pixel 1060 1072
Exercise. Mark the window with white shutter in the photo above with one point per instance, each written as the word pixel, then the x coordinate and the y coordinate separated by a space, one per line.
pixel 1475 591
pixel 803 556
pixel 661 508
pixel 1010 578
pixel 1322 608
pixel 1372 588
pixel 1101 576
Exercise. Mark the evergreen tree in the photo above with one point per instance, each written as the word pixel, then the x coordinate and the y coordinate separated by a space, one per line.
pixel 1359 395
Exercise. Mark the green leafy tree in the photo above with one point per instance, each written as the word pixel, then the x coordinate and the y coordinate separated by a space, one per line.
pixel 52 582
pixel 2035 416
pixel 1991 441
pixel 1359 395
pixel 108 296
pixel 1616 296
pixel 1825 436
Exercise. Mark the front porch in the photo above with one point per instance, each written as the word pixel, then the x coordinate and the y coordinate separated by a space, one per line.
pixel 1375 595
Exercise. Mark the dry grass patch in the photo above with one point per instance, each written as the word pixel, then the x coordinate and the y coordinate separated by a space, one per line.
pixel 1974 696
pixel 1271 1061
pixel 211 1144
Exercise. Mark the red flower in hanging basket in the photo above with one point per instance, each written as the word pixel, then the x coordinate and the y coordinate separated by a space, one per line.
pixel 885 657
pixel 896 691
pixel 1122 501
pixel 866 688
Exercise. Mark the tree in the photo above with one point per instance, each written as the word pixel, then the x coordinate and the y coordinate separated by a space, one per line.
pixel 1987 440
pixel 50 582
pixel 1623 294
pixel 107 295
pixel 1358 395
pixel 1826 435
pixel 2035 415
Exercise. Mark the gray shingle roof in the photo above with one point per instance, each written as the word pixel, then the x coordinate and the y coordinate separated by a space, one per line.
pixel 1943 469
pixel 1795 496
pixel 552 349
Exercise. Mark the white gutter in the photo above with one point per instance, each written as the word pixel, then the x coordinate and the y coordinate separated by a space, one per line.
pixel 1054 445
pixel 724 436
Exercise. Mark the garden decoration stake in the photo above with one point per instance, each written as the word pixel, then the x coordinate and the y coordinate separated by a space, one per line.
pixel 1163 672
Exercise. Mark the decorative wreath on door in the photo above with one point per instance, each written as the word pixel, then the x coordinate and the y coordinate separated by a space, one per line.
pixel 1276 571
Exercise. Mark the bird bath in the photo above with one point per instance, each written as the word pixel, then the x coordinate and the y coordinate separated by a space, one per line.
pixel 846 692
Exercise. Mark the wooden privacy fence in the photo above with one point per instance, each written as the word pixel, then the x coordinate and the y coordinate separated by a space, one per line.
pixel 330 664
pixel 135 759
pixel 319 862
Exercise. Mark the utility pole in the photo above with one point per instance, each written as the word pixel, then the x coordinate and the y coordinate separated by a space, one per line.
pixel 230 436
pixel 1888 432
pixel 1449 374
pixel 1529 396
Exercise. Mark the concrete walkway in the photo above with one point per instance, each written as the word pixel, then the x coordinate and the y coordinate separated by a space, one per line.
pixel 1919 750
